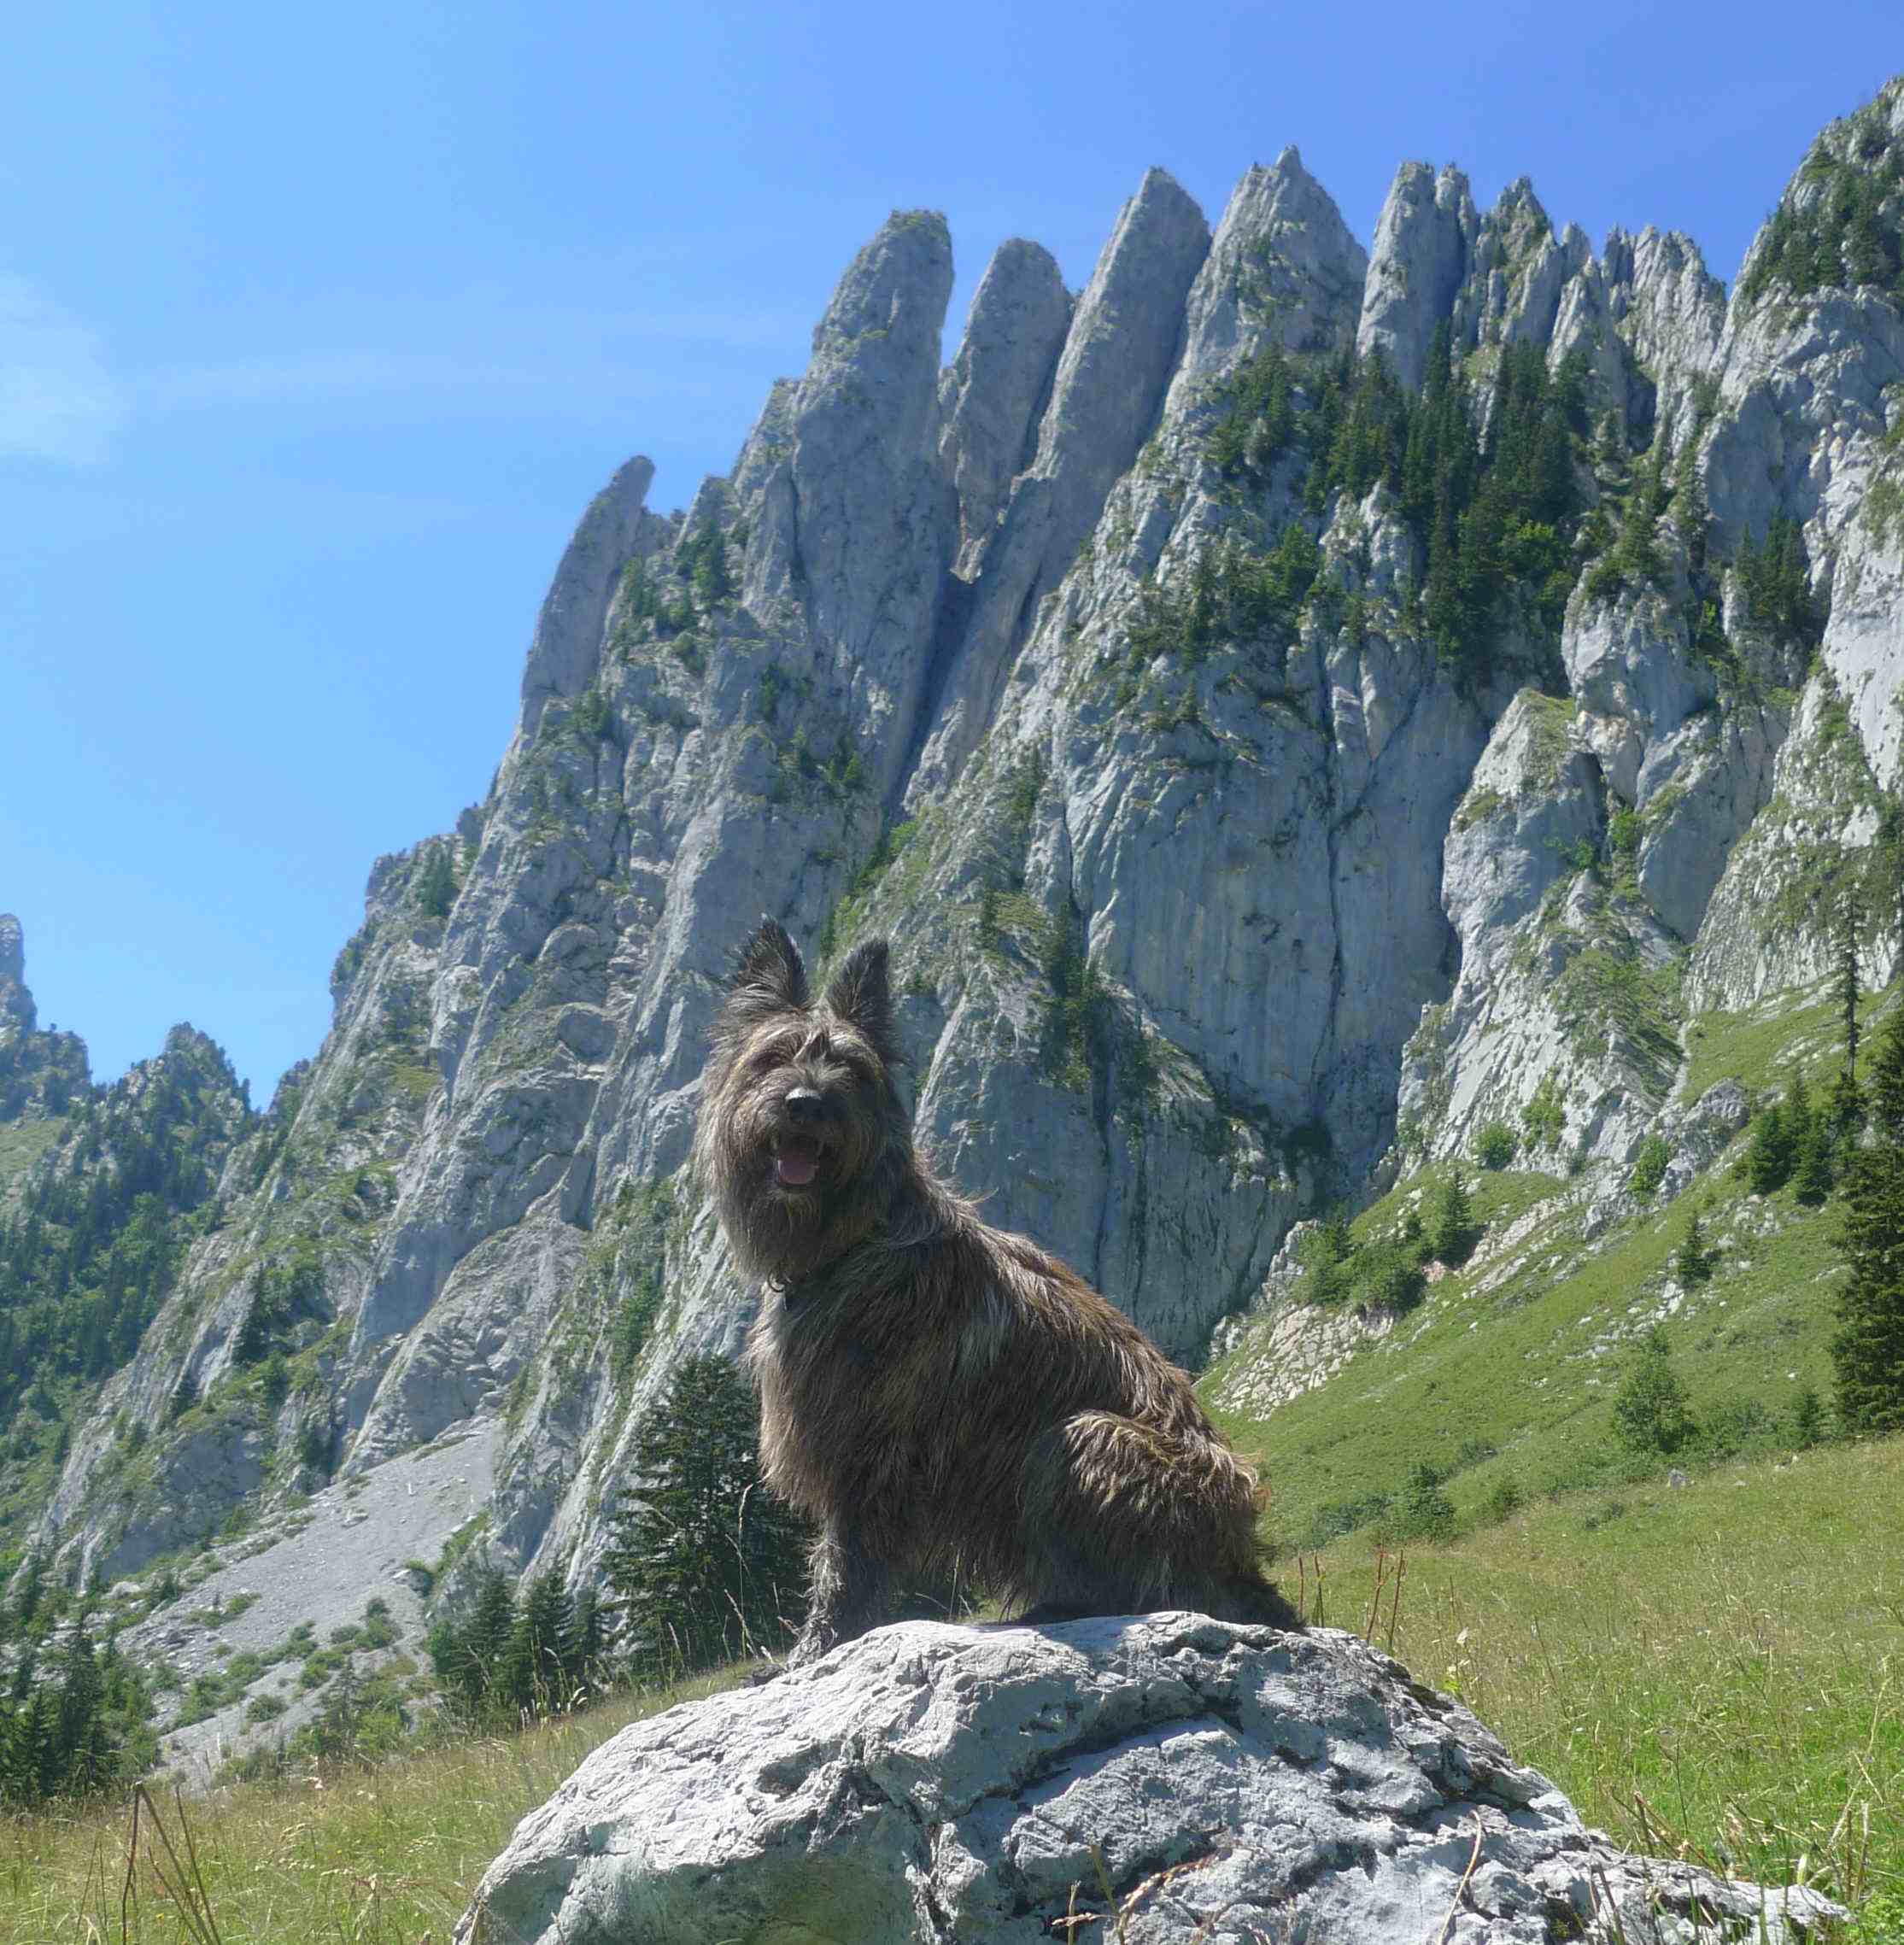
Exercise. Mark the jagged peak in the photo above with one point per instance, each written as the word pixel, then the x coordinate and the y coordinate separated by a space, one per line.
pixel 187 1042
pixel 1518 209
pixel 1423 249
pixel 1019 265
pixel 1626 256
pixel 1286 191
pixel 1158 181
pixel 897 271
pixel 713 501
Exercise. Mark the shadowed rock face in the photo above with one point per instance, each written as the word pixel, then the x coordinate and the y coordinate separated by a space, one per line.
pixel 1190 922
pixel 931 1783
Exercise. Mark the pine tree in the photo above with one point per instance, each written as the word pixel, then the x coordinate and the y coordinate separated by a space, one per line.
pixel 1693 1261
pixel 469 1660
pixel 1815 1172
pixel 531 1676
pixel 581 1649
pixel 708 1565
pixel 1868 1353
pixel 435 885
pixel 1453 1233
pixel 79 1704
pixel 1773 1153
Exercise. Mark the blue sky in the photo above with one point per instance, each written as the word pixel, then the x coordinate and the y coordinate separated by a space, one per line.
pixel 318 329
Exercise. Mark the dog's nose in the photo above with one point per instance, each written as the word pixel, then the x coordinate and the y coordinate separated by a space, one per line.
pixel 803 1104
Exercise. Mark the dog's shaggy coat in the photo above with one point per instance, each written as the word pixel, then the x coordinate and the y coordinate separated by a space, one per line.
pixel 948 1402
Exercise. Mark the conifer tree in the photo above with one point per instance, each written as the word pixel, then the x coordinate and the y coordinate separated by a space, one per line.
pixel 1815 1172
pixel 1454 1232
pixel 1692 1262
pixel 1773 1153
pixel 435 885
pixel 1800 1123
pixel 530 1678
pixel 469 1660
pixel 1868 1353
pixel 707 1565
pixel 582 1650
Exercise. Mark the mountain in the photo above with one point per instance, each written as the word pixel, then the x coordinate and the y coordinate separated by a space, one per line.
pixel 104 1192
pixel 1294 708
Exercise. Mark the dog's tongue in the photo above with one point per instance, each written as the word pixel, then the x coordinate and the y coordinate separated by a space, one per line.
pixel 797 1161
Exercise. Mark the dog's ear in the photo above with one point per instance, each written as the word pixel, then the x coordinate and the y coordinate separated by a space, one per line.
pixel 862 995
pixel 769 979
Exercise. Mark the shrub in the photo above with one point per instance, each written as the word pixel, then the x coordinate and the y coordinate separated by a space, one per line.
pixel 1495 1145
pixel 1424 1512
pixel 1390 1278
pixel 1650 1165
pixel 1650 1410
pixel 1504 1499
pixel 1543 1115
pixel 1339 1516
pixel 1735 1426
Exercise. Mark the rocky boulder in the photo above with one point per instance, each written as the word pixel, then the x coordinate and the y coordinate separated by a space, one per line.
pixel 1205 1779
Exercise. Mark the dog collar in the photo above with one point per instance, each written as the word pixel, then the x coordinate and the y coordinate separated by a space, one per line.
pixel 792 1292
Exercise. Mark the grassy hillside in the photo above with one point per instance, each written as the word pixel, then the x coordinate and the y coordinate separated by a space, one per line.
pixel 1522 1349
pixel 1715 1670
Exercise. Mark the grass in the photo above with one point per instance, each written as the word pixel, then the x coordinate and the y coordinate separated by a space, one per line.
pixel 388 1855
pixel 1716 1670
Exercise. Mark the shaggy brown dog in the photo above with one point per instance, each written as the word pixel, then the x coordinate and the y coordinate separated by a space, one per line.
pixel 948 1400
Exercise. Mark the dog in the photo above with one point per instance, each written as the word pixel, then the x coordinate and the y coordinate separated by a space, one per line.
pixel 946 1400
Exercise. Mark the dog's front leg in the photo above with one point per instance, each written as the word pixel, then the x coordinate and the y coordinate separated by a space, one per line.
pixel 849 1592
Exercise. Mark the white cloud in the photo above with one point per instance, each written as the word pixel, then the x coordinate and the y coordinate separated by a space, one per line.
pixel 58 400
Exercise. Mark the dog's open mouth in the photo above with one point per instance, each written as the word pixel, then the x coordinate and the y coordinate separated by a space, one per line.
pixel 796 1161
